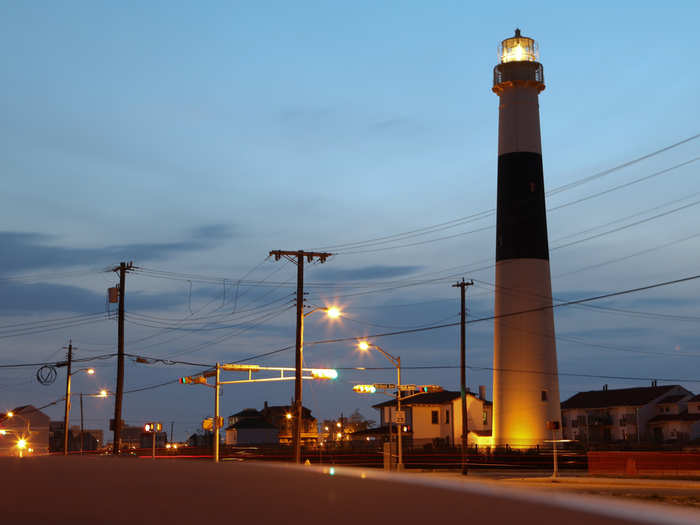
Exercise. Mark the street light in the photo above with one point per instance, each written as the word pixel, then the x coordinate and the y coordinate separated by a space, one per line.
pixel 21 445
pixel 11 414
pixel 102 394
pixel 365 346
pixel 88 371
pixel 332 312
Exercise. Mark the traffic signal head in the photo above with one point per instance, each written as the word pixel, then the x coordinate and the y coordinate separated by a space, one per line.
pixel 185 380
pixel 364 389
pixel 430 388
pixel 148 427
pixel 324 373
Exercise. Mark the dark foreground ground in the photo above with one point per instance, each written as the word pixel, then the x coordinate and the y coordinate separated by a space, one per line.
pixel 118 490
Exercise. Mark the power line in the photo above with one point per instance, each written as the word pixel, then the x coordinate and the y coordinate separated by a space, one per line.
pixel 492 317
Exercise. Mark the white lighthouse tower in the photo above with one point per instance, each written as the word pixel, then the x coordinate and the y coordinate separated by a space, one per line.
pixel 525 381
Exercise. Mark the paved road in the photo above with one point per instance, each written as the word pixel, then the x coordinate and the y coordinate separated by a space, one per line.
pixel 118 490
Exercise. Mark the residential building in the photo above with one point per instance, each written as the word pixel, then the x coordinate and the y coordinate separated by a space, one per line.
pixel 678 419
pixel 613 415
pixel 435 418
pixel 250 427
pixel 259 426
pixel 26 422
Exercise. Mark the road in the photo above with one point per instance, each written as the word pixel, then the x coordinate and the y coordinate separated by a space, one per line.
pixel 138 490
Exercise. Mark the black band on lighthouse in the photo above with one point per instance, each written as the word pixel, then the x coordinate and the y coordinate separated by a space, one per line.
pixel 521 223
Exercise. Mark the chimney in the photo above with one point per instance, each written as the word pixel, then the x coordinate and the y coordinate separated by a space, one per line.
pixel 605 387
pixel 265 405
pixel 482 392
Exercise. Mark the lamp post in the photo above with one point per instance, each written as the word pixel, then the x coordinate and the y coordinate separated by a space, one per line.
pixel 66 415
pixel 332 312
pixel 103 393
pixel 22 439
pixel 396 361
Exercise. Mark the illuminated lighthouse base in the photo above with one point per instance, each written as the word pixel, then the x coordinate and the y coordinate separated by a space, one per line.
pixel 525 379
pixel 525 384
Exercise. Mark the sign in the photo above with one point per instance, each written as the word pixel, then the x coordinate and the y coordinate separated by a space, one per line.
pixel 398 417
pixel 384 386
pixel 208 423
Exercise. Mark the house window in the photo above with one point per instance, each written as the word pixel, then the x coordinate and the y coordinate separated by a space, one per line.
pixel 484 417
pixel 435 417
pixel 447 416
pixel 544 395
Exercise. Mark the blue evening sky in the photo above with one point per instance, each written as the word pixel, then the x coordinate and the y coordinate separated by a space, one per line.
pixel 194 138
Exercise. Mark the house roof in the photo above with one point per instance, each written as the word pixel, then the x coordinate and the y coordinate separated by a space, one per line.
pixel 618 397
pixel 672 399
pixel 247 412
pixel 428 398
pixel 695 398
pixel 252 423
pixel 683 416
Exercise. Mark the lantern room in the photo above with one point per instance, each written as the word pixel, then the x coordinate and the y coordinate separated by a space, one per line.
pixel 518 49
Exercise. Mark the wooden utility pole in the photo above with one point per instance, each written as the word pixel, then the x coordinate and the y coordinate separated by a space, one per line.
pixel 298 258
pixel 69 363
pixel 462 285
pixel 122 269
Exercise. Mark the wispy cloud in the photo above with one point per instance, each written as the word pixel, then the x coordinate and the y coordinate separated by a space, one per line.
pixel 364 273
pixel 23 252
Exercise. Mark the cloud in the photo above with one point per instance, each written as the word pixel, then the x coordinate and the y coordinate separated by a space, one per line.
pixel 364 273
pixel 24 252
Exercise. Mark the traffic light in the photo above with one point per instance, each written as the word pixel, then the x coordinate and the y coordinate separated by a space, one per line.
pixel 430 388
pixel 153 427
pixel 324 373
pixel 364 389
pixel 192 380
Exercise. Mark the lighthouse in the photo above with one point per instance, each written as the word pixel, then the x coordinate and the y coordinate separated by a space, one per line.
pixel 525 379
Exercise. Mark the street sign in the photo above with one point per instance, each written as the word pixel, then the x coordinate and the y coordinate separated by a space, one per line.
pixel 208 423
pixel 398 417
pixel 384 386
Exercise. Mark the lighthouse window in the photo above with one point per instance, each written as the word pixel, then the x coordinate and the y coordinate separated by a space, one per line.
pixel 544 395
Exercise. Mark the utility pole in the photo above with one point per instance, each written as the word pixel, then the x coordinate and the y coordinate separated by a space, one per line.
pixel 69 363
pixel 298 258
pixel 217 387
pixel 81 423
pixel 122 269
pixel 462 285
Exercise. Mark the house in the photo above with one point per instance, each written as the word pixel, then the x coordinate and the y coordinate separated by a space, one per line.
pixel 678 419
pixel 436 417
pixel 612 415
pixel 250 427
pixel 251 424
pixel 24 423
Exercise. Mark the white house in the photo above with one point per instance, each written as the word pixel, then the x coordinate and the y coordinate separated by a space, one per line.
pixel 609 415
pixel 436 417
pixel 678 419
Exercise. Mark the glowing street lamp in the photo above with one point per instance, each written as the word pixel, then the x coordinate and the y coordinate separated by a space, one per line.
pixel 21 445
pixel 66 415
pixel 365 346
pixel 332 312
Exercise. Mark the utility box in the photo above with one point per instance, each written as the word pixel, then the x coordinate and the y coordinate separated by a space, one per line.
pixel 113 294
